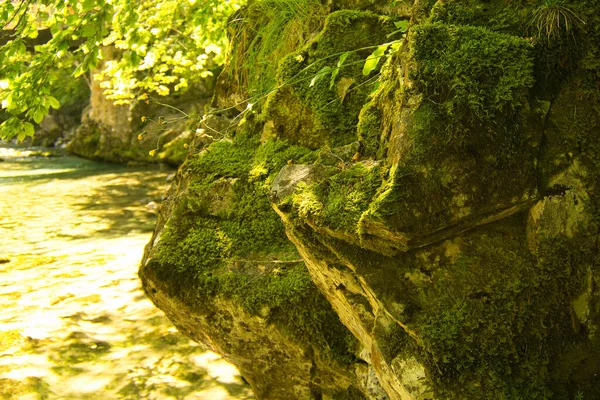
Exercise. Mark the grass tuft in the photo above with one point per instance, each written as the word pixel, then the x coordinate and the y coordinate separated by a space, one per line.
pixel 264 32
pixel 554 17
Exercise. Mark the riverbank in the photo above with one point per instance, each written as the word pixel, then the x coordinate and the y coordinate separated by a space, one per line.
pixel 75 323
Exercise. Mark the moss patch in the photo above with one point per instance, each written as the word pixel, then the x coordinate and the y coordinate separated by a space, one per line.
pixel 339 201
pixel 322 113
pixel 369 130
pixel 235 246
pixel 494 15
pixel 472 75
pixel 464 138
pixel 490 317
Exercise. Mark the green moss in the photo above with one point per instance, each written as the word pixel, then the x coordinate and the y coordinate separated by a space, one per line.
pixel 224 158
pixel 369 130
pixel 391 341
pixel 225 240
pixel 468 128
pixel 495 15
pixel 556 58
pixel 472 75
pixel 319 114
pixel 486 313
pixel 251 224
pixel 274 154
pixel 347 195
pixel 413 200
pixel 338 202
pixel 489 319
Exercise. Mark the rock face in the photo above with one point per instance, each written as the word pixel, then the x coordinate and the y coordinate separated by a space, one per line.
pixel 433 237
pixel 128 133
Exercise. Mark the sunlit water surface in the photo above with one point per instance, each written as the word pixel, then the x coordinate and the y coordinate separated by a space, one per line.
pixel 75 323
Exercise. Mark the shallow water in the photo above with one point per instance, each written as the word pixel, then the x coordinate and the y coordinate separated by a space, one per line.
pixel 75 323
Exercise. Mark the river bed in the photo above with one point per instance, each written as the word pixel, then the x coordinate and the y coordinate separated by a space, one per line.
pixel 74 321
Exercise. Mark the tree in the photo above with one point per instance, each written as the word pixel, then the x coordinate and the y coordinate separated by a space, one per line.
pixel 164 45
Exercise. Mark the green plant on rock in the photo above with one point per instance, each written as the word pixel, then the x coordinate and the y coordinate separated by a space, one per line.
pixel 554 17
pixel 263 33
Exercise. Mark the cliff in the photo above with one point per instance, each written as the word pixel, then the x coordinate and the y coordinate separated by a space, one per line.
pixel 425 228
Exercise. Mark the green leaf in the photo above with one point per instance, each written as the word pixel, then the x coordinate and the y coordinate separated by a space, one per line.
pixel 24 129
pixel 343 59
pixel 7 129
pixel 20 47
pixel 63 46
pixel 53 102
pixel 88 31
pixel 320 75
pixel 29 129
pixel 134 59
pixel 402 28
pixel 88 4
pixel 39 113
pixel 8 103
pixel 336 71
pixel 79 71
pixel 402 25
pixel 71 19
pixel 372 61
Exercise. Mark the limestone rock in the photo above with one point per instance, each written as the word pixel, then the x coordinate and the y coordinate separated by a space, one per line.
pixel 140 131
pixel 287 180
pixel 220 267
pixel 447 220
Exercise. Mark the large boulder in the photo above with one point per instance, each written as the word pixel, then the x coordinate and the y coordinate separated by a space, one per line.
pixel 434 236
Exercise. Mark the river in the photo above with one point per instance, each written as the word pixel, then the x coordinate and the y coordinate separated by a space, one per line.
pixel 74 321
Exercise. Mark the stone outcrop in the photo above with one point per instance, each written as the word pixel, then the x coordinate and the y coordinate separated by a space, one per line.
pixel 127 133
pixel 433 237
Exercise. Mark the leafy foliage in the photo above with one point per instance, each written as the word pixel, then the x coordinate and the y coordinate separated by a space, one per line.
pixel 162 46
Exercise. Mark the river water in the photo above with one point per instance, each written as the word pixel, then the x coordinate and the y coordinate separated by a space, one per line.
pixel 74 321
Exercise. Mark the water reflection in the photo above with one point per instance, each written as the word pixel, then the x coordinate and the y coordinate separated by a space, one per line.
pixel 74 322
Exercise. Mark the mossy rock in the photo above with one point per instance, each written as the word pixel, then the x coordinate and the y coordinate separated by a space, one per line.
pixel 221 245
pixel 467 136
pixel 86 140
pixel 450 217
pixel 325 112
